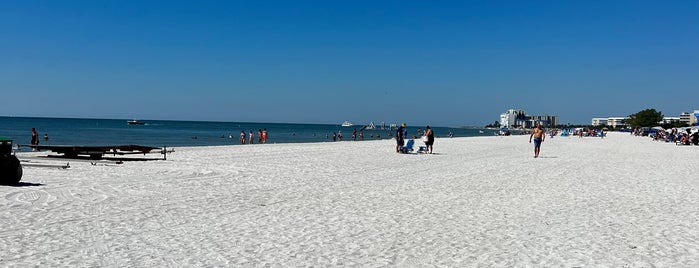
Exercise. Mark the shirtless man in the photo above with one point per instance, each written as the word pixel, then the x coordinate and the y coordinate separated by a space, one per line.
pixel 539 135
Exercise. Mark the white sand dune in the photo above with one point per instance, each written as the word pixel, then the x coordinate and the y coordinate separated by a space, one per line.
pixel 621 201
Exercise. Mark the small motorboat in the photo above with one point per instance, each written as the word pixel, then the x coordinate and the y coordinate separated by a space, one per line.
pixel 135 122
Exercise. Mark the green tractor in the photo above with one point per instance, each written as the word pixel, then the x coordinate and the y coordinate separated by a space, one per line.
pixel 10 168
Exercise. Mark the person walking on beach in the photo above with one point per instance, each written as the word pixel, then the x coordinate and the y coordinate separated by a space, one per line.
pixel 259 136
pixel 430 139
pixel 251 137
pixel 242 137
pixel 399 137
pixel 35 139
pixel 539 135
pixel 264 135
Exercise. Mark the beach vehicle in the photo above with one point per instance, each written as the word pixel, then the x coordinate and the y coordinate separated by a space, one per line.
pixel 347 124
pixel 10 167
pixel 135 122
pixel 97 152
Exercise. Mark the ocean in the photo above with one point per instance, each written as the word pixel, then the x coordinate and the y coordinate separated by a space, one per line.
pixel 158 133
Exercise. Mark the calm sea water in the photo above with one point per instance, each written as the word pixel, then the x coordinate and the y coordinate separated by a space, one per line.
pixel 72 131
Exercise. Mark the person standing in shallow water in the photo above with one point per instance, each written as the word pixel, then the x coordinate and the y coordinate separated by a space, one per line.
pixel 539 135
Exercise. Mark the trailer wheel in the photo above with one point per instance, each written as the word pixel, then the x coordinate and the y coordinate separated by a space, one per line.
pixel 10 170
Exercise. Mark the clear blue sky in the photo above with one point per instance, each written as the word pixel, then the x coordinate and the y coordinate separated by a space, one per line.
pixel 445 63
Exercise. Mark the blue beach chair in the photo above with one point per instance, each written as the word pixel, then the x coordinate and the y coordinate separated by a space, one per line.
pixel 408 147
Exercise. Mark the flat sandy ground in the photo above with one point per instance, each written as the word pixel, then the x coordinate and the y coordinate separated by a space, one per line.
pixel 621 201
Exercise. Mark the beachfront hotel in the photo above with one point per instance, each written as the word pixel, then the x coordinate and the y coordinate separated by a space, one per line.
pixel 514 118
pixel 690 118
pixel 616 122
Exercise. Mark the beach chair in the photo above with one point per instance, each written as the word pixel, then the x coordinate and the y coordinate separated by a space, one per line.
pixel 408 147
pixel 422 149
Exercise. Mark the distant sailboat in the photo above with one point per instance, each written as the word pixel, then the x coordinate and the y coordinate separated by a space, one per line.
pixel 370 126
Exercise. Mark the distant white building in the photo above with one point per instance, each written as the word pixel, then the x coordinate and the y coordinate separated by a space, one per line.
pixel 670 120
pixel 690 118
pixel 544 120
pixel 513 118
pixel 614 122
pixel 617 122
pixel 685 117
pixel 600 121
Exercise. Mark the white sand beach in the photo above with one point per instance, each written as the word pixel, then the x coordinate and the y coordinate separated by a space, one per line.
pixel 621 201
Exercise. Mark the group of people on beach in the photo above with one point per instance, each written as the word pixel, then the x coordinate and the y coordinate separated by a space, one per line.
pixel 337 136
pixel 250 138
pixel 538 135
pixel 427 138
pixel 677 136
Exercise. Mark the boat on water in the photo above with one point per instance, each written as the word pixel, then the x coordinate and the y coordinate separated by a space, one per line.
pixel 135 122
pixel 347 124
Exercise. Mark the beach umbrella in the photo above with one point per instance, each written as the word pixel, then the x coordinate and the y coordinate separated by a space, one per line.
pixel 658 128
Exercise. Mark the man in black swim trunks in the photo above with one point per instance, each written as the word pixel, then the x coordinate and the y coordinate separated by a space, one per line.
pixel 399 137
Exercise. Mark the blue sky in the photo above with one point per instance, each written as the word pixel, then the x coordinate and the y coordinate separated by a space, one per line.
pixel 444 63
